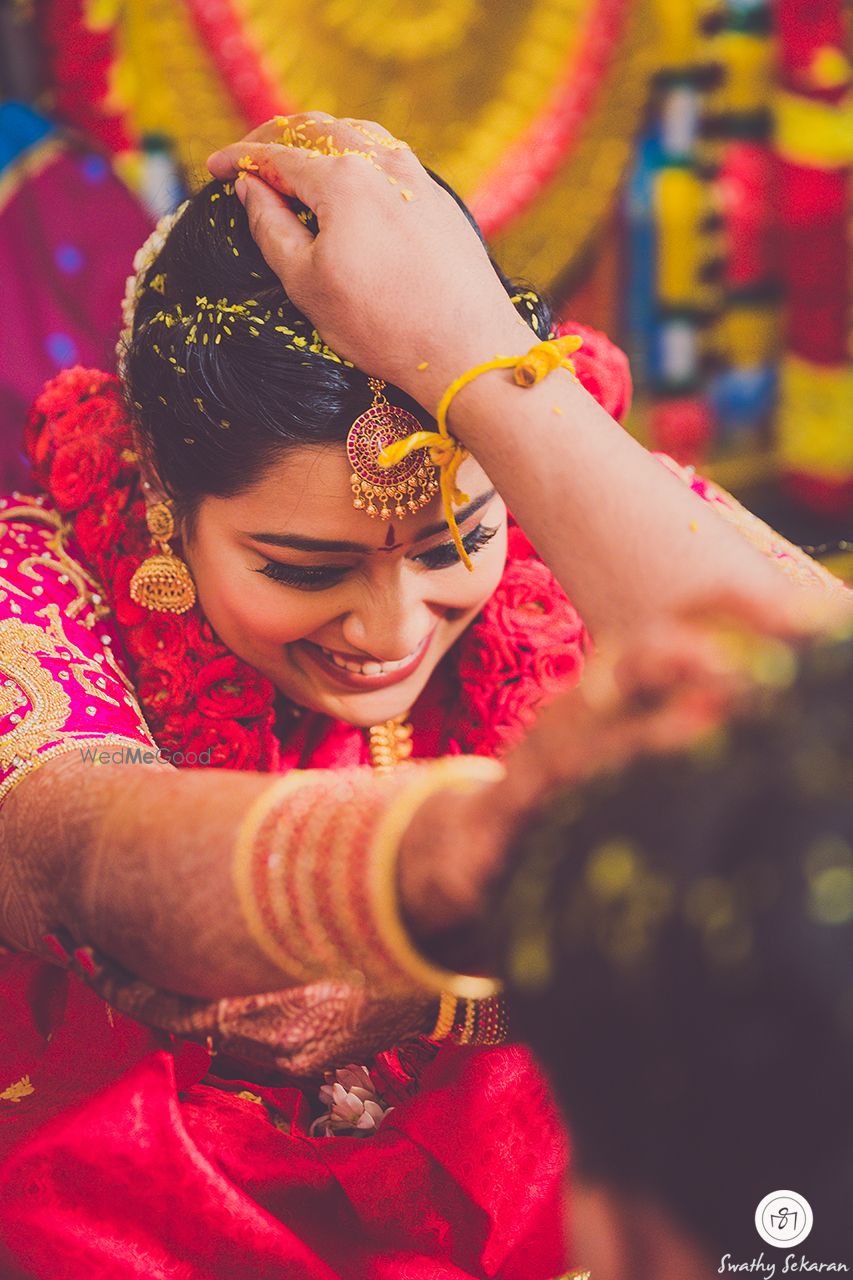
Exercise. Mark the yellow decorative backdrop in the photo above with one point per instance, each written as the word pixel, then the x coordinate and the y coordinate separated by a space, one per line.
pixel 462 80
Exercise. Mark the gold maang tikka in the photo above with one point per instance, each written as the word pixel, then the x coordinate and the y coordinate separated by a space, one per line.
pixel 162 582
pixel 410 484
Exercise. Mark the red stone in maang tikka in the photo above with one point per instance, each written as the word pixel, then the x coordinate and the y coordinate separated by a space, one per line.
pixel 410 484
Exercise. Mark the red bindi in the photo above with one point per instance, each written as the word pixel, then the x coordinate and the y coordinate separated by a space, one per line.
pixel 390 543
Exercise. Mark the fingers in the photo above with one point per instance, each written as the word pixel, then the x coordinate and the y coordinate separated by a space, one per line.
pixel 283 240
pixel 318 130
pixel 321 182
pixel 334 136
pixel 273 130
pixel 279 148
pixel 787 608
pixel 288 169
pixel 376 133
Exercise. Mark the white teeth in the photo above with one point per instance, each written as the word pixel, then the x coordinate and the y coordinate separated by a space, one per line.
pixel 366 668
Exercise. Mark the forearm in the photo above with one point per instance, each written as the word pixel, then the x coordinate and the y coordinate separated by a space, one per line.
pixel 175 875
pixel 625 538
pixel 135 861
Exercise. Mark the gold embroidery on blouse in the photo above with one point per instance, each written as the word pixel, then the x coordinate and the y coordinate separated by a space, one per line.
pixel 11 698
pixel 37 702
pixel 55 631
pixel 6 585
pixel 90 594
pixel 20 1089
pixel 49 704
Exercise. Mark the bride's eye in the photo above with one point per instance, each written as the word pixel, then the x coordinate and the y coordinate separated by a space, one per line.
pixel 445 555
pixel 306 579
pixel 321 578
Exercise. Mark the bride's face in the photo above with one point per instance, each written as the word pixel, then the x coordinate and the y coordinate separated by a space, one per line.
pixel 343 613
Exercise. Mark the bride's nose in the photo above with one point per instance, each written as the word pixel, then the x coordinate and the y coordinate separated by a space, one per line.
pixel 389 625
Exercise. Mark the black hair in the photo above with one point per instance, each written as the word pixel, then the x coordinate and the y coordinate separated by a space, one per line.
pixel 216 394
pixel 678 944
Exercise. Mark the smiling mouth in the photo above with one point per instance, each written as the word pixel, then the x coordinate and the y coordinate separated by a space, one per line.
pixel 366 671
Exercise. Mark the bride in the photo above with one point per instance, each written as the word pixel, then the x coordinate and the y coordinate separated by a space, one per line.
pixel 272 555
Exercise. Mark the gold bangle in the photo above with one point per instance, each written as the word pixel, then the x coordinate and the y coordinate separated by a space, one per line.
pixel 445 1018
pixel 480 1022
pixel 244 872
pixel 462 774
pixel 315 873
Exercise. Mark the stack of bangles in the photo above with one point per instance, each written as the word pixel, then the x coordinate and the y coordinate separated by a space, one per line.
pixel 316 868
pixel 446 452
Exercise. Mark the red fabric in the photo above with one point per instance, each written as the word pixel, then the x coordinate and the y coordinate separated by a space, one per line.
pixel 747 183
pixel 78 61
pixel 682 428
pixel 828 497
pixel 67 234
pixel 128 1160
pixel 815 254
pixel 240 65
pixel 804 27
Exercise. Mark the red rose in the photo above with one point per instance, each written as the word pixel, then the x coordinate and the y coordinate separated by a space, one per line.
pixel 60 410
pixel 487 654
pixel 70 386
pixel 228 687
pixel 526 646
pixel 202 640
pixel 269 748
pixel 100 419
pixel 518 545
pixel 515 706
pixel 79 469
pixel 504 716
pixel 558 667
pixel 229 744
pixel 37 447
pixel 136 540
pixel 602 368
pixel 127 612
pixel 97 527
pixel 159 691
pixel 159 640
pixel 527 602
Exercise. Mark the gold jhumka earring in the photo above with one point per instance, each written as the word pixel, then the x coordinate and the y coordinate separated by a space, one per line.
pixel 410 484
pixel 162 582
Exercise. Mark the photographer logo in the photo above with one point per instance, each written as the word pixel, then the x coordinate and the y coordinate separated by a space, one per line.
pixel 783 1219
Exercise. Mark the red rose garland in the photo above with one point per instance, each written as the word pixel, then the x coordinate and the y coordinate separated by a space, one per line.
pixel 196 695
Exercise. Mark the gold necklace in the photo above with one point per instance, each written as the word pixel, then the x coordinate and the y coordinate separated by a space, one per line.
pixel 390 743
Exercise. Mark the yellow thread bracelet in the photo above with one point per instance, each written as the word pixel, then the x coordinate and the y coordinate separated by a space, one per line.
pixel 446 452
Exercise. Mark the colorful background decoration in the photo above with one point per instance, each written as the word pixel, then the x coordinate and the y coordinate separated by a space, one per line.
pixel 676 171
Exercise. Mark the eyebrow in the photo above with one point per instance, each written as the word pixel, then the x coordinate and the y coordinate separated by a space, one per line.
pixel 297 542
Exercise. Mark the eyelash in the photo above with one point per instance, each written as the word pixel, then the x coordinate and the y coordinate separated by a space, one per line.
pixel 317 579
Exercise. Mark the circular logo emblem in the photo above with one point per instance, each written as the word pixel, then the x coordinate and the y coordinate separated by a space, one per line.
pixel 783 1218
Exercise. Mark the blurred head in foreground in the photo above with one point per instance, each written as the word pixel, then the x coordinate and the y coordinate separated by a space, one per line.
pixel 678 944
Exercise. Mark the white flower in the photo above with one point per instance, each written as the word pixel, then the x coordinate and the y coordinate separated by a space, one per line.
pixel 354 1107
pixel 142 260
